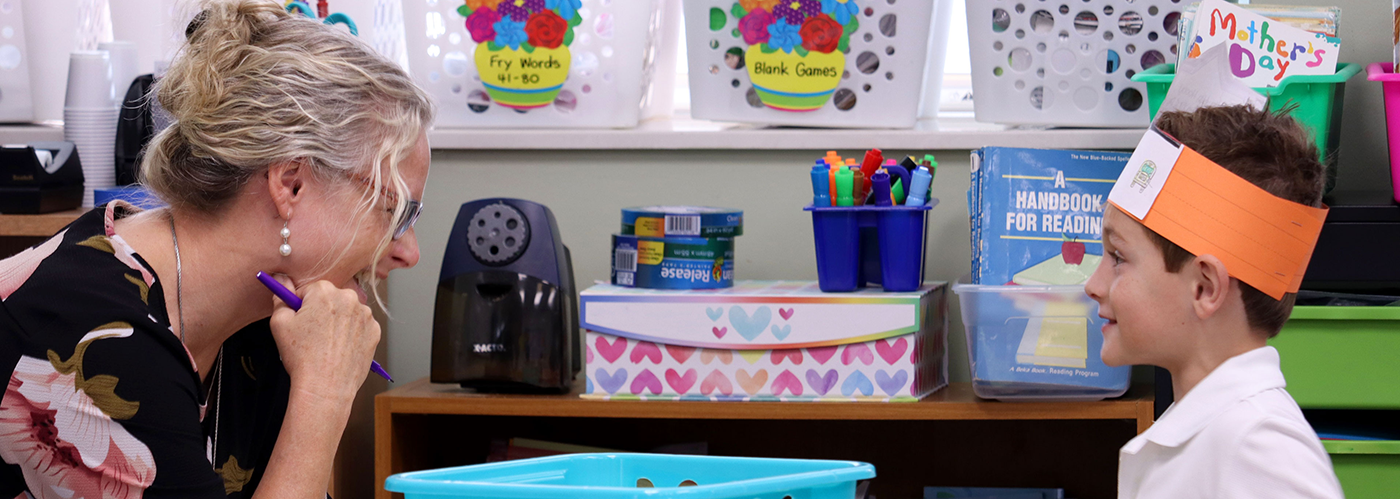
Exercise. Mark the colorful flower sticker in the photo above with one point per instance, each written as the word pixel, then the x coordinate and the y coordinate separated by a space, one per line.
pixel 481 24
pixel 841 10
pixel 754 26
pixel 510 33
pixel 784 36
pixel 567 8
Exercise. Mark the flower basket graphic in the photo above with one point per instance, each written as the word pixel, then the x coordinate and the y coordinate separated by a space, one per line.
pixel 796 53
pixel 522 54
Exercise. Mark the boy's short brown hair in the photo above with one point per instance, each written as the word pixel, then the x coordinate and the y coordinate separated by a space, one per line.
pixel 1270 150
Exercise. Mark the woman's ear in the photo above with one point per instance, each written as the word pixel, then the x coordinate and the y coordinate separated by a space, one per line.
pixel 1212 285
pixel 285 182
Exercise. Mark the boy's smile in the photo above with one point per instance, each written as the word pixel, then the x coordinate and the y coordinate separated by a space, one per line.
pixel 1146 306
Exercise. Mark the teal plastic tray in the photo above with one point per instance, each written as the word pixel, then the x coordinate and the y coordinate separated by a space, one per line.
pixel 617 476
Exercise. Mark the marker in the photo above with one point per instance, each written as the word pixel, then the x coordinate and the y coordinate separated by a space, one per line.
pixel 918 189
pixel 909 163
pixel 831 184
pixel 819 185
pixel 833 159
pixel 858 187
pixel 844 185
pixel 932 165
pixel 293 301
pixel 898 177
pixel 880 186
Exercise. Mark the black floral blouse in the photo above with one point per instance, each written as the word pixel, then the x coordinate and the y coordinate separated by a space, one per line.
pixel 103 400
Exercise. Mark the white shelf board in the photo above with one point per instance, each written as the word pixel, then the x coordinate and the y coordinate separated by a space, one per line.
pixel 949 133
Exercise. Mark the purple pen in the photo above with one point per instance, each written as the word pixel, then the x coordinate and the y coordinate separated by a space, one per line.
pixel 293 301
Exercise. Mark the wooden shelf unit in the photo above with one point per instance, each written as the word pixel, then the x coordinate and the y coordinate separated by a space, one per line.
pixel 44 225
pixel 421 425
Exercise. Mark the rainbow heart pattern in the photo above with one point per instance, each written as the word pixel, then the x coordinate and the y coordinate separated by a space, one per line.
pixel 764 341
pixel 885 370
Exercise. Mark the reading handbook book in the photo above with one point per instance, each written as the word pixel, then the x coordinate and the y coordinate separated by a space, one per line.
pixel 1037 219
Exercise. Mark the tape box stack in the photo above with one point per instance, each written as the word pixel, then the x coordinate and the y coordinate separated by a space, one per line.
pixel 676 247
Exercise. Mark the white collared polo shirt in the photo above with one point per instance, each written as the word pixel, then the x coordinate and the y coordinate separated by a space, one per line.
pixel 1237 434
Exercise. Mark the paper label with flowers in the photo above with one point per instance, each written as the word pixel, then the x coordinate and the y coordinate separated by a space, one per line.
pixel 522 51
pixel 797 48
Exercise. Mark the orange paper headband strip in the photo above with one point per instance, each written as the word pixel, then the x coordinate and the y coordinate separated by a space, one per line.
pixel 1264 240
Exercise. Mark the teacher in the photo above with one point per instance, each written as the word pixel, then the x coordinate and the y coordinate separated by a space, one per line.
pixel 143 358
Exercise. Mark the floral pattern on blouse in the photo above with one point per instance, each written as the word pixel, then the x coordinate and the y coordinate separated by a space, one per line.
pixel 102 400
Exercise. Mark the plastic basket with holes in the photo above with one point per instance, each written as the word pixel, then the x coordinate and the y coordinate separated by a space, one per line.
pixel 543 63
pixel 653 476
pixel 1067 62
pixel 832 63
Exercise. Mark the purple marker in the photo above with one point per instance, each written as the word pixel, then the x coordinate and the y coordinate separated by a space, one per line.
pixel 292 300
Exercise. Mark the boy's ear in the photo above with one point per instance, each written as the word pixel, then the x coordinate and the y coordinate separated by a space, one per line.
pixel 1211 285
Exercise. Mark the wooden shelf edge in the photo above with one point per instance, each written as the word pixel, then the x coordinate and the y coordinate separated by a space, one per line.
pixel 956 402
pixel 43 225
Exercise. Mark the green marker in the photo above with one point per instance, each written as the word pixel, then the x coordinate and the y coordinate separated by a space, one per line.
pixel 898 191
pixel 932 165
pixel 845 181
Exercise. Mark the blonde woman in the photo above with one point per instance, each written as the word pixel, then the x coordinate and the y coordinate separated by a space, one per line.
pixel 143 358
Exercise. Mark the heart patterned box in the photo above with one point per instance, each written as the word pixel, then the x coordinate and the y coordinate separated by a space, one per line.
pixel 765 341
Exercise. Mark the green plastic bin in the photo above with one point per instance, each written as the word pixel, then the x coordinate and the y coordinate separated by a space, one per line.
pixel 1319 99
pixel 1368 469
pixel 1342 357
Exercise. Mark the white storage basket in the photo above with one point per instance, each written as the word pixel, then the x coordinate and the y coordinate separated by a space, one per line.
pixel 877 83
pixel 614 70
pixel 1067 62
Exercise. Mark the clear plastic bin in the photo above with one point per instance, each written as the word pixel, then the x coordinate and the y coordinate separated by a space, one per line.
pixel 1036 343
pixel 653 476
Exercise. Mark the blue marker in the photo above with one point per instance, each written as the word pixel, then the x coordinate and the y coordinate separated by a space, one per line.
pixel 918 188
pixel 880 187
pixel 821 185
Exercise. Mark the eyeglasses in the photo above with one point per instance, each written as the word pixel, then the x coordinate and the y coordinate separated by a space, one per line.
pixel 410 212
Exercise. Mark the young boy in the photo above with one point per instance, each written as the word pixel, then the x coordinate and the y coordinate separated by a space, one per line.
pixel 1233 431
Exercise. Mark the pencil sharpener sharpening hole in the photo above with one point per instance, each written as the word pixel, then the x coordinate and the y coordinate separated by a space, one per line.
pixel 643 483
pixel 498 234
pixel 844 99
pixel 688 483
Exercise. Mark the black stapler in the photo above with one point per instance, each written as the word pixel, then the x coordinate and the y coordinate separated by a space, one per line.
pixel 40 177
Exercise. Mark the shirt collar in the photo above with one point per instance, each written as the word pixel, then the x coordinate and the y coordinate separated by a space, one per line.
pixel 1237 378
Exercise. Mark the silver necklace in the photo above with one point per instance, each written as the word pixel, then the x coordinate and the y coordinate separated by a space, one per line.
pixel 180 309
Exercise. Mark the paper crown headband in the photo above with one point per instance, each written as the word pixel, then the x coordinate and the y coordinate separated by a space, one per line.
pixel 1264 240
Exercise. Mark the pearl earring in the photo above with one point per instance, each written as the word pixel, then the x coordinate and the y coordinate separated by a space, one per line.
pixel 285 249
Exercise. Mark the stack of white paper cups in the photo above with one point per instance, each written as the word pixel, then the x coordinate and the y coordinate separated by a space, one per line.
pixel 90 119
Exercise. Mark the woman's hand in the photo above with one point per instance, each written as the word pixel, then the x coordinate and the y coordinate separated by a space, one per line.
pixel 328 345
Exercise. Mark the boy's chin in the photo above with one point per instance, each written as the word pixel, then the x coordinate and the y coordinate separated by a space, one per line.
pixel 1112 356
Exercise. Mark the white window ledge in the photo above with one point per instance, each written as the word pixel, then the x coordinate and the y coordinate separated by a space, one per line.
pixel 949 133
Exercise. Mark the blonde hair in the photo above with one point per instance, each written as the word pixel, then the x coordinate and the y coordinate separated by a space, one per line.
pixel 254 86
